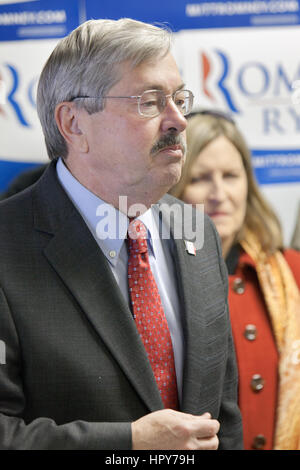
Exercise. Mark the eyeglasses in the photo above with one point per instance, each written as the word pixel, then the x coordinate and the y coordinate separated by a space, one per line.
pixel 151 103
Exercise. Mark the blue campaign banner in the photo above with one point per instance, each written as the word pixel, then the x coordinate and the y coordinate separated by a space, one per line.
pixel 184 14
pixel 39 19
pixel 276 166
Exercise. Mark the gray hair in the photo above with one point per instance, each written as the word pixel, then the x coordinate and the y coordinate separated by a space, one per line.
pixel 86 63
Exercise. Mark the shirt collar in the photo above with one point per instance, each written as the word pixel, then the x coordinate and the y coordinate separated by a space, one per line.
pixel 107 224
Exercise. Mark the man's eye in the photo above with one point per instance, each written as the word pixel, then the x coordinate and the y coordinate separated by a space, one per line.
pixel 149 104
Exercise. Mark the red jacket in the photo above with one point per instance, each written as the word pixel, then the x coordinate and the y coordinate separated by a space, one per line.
pixel 256 351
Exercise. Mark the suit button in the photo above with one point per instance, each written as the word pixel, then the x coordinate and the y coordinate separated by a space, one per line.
pixel 259 441
pixel 238 285
pixel 250 332
pixel 257 383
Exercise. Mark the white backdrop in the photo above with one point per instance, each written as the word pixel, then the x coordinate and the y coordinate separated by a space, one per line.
pixel 256 68
pixel 20 131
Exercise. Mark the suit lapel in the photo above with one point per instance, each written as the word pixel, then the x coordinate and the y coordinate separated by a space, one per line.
pixel 77 259
pixel 188 268
pixel 194 327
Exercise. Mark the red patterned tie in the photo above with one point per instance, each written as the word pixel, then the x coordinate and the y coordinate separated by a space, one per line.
pixel 149 316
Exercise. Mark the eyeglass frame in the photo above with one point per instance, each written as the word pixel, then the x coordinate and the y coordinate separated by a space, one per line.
pixel 138 98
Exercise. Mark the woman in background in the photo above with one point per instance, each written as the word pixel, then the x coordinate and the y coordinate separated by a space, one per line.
pixel 264 279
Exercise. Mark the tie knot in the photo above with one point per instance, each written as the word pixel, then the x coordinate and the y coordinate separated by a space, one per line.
pixel 137 236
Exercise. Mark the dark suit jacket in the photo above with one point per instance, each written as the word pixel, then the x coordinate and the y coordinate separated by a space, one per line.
pixel 76 373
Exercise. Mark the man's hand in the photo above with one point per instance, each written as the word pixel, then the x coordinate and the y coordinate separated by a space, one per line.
pixel 169 429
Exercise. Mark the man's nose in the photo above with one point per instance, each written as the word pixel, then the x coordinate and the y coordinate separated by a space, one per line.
pixel 172 118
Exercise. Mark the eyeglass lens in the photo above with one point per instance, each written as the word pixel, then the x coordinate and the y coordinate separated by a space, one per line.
pixel 153 102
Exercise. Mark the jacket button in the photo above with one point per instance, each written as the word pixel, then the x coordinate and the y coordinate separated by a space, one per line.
pixel 259 441
pixel 257 383
pixel 250 332
pixel 238 285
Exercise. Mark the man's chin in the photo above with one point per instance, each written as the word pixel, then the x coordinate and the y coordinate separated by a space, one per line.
pixel 173 175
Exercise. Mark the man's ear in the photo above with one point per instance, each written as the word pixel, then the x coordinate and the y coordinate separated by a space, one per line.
pixel 67 120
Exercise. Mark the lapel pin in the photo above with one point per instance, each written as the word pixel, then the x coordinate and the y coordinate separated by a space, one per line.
pixel 190 247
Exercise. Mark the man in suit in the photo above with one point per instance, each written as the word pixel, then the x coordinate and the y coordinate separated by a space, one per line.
pixel 78 372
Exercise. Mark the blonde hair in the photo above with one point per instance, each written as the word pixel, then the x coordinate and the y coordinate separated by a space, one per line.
pixel 260 217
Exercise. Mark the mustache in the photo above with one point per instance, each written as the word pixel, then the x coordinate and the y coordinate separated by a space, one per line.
pixel 168 140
